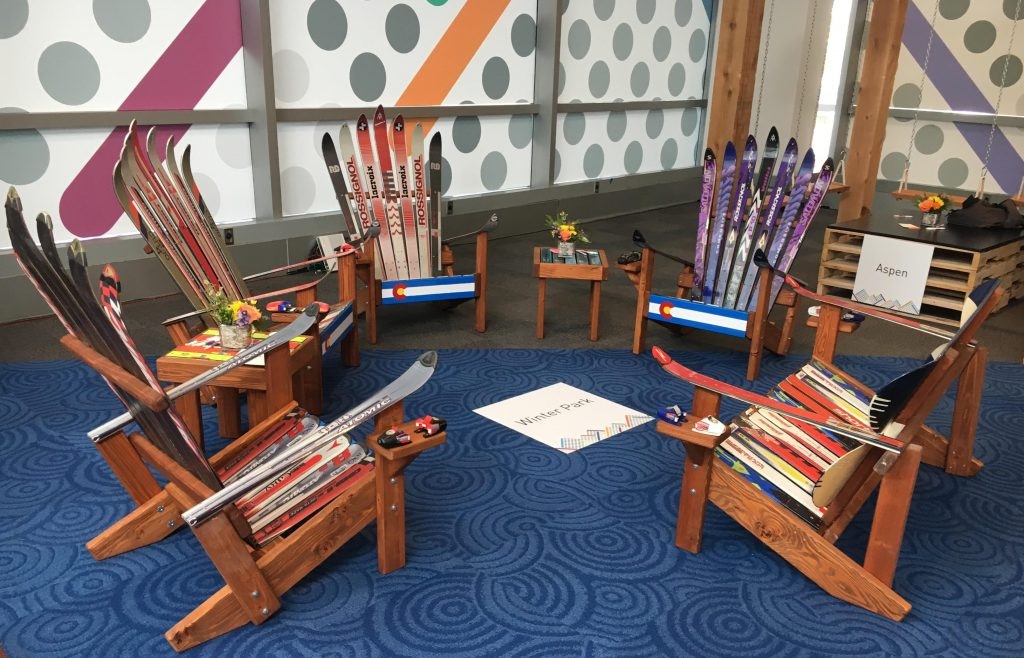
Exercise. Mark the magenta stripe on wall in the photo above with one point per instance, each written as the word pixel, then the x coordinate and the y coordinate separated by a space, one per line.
pixel 178 79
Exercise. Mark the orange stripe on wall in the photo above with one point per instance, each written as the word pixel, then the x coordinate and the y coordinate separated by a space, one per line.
pixel 452 54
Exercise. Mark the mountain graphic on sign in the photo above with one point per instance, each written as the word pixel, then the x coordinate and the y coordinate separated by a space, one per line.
pixel 864 297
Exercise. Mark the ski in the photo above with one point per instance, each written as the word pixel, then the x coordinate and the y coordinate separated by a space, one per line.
pixel 746 172
pixel 387 253
pixel 366 218
pixel 725 186
pixel 751 473
pixel 796 238
pixel 778 238
pixel 392 207
pixel 337 177
pixel 293 423
pixel 764 232
pixel 420 201
pixel 405 197
pixel 486 227
pixel 640 241
pixel 409 382
pixel 819 420
pixel 707 190
pixel 732 290
pixel 294 329
pixel 771 153
pixel 435 199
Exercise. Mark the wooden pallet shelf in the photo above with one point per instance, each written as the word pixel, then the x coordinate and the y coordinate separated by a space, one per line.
pixel 957 266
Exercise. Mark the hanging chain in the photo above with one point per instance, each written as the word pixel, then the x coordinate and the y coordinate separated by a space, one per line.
pixel 764 67
pixel 920 89
pixel 805 71
pixel 999 100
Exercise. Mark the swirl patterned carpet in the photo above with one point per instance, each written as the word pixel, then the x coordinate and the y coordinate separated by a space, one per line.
pixel 514 548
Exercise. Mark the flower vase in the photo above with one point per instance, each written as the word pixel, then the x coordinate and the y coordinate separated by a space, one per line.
pixel 566 249
pixel 930 219
pixel 233 337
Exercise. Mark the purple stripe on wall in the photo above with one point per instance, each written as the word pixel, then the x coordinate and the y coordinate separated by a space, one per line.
pixel 176 81
pixel 1006 166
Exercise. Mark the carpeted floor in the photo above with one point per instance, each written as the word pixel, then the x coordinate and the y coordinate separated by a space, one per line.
pixel 514 549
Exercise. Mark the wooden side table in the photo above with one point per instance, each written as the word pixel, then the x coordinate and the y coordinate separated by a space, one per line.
pixel 559 270
pixel 288 373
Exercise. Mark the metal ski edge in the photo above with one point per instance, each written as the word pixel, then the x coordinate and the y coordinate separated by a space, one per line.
pixel 294 329
pixel 406 384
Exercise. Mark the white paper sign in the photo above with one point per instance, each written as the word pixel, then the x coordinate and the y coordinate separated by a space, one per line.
pixel 892 273
pixel 563 417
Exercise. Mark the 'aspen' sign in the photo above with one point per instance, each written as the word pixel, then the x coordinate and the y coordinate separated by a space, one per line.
pixel 892 273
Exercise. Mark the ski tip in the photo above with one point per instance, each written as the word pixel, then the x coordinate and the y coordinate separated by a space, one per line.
pixel 660 355
pixel 378 115
pixel 435 141
pixel 491 224
pixel 398 124
pixel 327 142
pixel 312 310
pixel 709 155
pixel 828 165
pixel 44 224
pixel 362 123
pixel 751 143
pixel 372 232
pixel 13 200
pixel 638 238
pixel 428 359
pixel 761 260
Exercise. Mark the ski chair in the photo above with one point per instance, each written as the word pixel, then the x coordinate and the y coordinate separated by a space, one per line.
pixel 386 185
pixel 796 479
pixel 165 204
pixel 726 299
pixel 339 488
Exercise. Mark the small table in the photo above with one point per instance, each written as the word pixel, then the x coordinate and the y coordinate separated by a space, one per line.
pixel 561 270
pixel 271 381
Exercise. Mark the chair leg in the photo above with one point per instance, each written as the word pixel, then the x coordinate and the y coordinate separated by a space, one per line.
pixel 147 524
pixel 693 495
pixel 890 518
pixel 960 454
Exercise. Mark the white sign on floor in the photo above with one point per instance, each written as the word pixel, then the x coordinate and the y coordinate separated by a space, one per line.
pixel 892 273
pixel 563 417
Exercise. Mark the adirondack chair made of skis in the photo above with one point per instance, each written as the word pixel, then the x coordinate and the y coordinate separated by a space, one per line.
pixel 388 182
pixel 719 290
pixel 740 470
pixel 165 204
pixel 258 566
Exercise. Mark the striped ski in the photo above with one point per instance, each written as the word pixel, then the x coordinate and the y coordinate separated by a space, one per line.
pixel 387 253
pixel 796 197
pixel 405 196
pixel 392 207
pixel 725 184
pixel 707 190
pixel 810 210
pixel 419 189
pixel 739 208
pixel 774 205
pixel 363 213
pixel 435 199
pixel 337 176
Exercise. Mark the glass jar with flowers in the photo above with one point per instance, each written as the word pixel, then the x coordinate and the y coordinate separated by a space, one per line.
pixel 567 232
pixel 932 205
pixel 234 318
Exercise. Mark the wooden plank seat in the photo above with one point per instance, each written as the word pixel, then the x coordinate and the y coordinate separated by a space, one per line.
pixel 721 289
pixel 797 485
pixel 165 204
pixel 385 184
pixel 261 534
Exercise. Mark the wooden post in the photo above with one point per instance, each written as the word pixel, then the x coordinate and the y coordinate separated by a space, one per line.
pixel 881 55
pixel 643 297
pixel 960 452
pixel 736 54
pixel 891 516
pixel 827 333
pixel 346 294
pixel 481 282
pixel 693 496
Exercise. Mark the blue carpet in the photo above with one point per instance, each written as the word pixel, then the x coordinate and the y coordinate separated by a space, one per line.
pixel 514 549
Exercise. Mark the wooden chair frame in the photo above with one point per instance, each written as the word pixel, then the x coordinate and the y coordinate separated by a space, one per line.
pixel 868 585
pixel 370 295
pixel 255 578
pixel 761 332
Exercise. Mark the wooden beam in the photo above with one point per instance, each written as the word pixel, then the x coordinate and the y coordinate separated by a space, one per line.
pixel 881 55
pixel 736 54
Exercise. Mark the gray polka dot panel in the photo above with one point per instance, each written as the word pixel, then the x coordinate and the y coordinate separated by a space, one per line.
pixel 944 154
pixel 356 53
pixel 481 154
pixel 644 50
pixel 595 145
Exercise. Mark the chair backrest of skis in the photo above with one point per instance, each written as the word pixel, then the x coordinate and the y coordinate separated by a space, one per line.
pixel 162 199
pixel 721 291
pixel 384 177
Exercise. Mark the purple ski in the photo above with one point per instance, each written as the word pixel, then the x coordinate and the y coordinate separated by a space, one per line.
pixel 707 190
pixel 725 182
pixel 739 209
pixel 773 206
